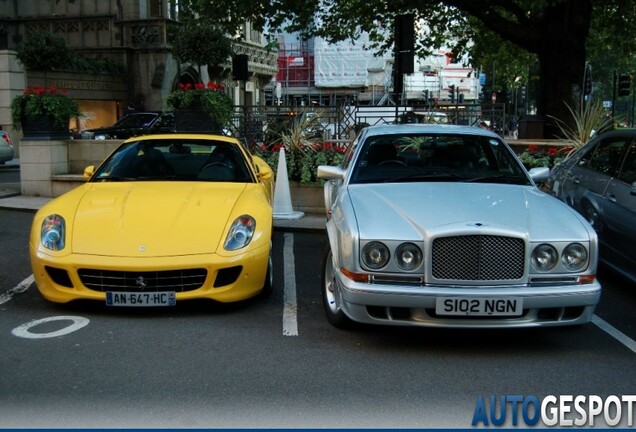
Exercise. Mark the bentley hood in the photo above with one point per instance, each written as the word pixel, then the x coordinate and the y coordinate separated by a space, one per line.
pixel 418 210
pixel 152 219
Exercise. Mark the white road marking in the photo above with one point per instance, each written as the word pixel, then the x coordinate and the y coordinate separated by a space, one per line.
pixel 290 308
pixel 614 332
pixel 23 330
pixel 19 289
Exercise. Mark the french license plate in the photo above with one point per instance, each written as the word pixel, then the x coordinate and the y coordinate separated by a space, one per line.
pixel 165 298
pixel 481 306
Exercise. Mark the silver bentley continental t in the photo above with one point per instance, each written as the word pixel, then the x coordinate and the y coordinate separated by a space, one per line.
pixel 440 225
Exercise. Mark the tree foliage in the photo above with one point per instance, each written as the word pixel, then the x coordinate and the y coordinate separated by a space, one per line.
pixel 553 33
pixel 199 42
pixel 44 51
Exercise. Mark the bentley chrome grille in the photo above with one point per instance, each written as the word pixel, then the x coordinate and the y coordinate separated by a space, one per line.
pixel 478 258
pixel 143 281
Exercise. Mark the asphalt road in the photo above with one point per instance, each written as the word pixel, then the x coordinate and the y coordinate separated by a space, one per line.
pixel 277 363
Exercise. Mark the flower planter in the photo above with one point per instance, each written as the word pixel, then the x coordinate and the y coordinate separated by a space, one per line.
pixel 194 121
pixel 43 128
pixel 200 108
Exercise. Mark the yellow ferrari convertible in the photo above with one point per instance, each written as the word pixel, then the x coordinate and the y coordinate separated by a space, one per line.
pixel 164 218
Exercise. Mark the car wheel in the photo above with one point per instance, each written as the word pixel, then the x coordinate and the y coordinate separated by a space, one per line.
pixel 268 285
pixel 331 297
pixel 592 215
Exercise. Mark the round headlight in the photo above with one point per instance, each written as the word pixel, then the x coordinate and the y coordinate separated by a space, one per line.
pixel 574 257
pixel 240 233
pixel 375 255
pixel 544 257
pixel 53 232
pixel 408 256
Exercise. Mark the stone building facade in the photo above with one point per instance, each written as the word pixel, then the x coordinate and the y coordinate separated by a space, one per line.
pixel 132 33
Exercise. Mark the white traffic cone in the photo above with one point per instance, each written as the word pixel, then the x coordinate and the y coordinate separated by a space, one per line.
pixel 282 195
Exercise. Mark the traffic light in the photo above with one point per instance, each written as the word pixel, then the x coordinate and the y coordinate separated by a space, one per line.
pixel 522 94
pixel 485 95
pixel 624 84
pixel 451 92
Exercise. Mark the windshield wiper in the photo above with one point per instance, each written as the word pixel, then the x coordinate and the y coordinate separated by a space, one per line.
pixel 114 178
pixel 499 178
pixel 156 177
pixel 427 176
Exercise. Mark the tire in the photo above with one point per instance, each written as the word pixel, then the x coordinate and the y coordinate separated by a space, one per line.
pixel 268 285
pixel 331 297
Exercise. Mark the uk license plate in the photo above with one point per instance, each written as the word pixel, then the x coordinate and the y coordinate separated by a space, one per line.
pixel 481 306
pixel 150 299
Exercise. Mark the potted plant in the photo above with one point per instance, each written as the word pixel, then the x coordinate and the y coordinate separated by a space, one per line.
pixel 200 107
pixel 44 113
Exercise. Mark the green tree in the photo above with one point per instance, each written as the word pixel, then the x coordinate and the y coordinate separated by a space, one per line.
pixel 611 46
pixel 201 43
pixel 44 51
pixel 554 31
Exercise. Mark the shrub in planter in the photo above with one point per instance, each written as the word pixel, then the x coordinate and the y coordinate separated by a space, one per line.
pixel 39 109
pixel 209 99
pixel 535 156
pixel 301 165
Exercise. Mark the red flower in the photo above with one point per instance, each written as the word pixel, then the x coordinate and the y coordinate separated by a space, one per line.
pixel 200 86
pixel 533 147
pixel 39 91
pixel 552 151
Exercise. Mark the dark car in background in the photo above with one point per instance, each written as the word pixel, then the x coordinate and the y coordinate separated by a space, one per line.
pixel 7 152
pixel 599 180
pixel 133 124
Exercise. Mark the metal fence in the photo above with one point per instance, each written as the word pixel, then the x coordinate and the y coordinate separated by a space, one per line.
pixel 257 125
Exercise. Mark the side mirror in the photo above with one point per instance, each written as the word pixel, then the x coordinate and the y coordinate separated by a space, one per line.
pixel 539 174
pixel 265 175
pixel 88 172
pixel 327 172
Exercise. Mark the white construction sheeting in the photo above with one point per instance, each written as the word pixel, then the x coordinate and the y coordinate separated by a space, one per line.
pixel 344 64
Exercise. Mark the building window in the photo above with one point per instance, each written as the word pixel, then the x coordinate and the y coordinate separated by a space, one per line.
pixel 155 8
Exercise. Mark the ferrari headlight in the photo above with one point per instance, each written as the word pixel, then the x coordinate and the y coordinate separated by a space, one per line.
pixel 408 256
pixel 53 232
pixel 544 257
pixel 375 255
pixel 241 233
pixel 574 257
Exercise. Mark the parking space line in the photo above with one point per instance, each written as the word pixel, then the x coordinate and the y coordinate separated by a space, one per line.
pixel 18 289
pixel 290 308
pixel 614 332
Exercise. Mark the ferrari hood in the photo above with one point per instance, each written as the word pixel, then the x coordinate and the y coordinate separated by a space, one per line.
pixel 418 210
pixel 153 219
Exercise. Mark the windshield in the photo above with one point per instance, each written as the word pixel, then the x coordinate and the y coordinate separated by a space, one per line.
pixel 436 157
pixel 135 120
pixel 176 159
